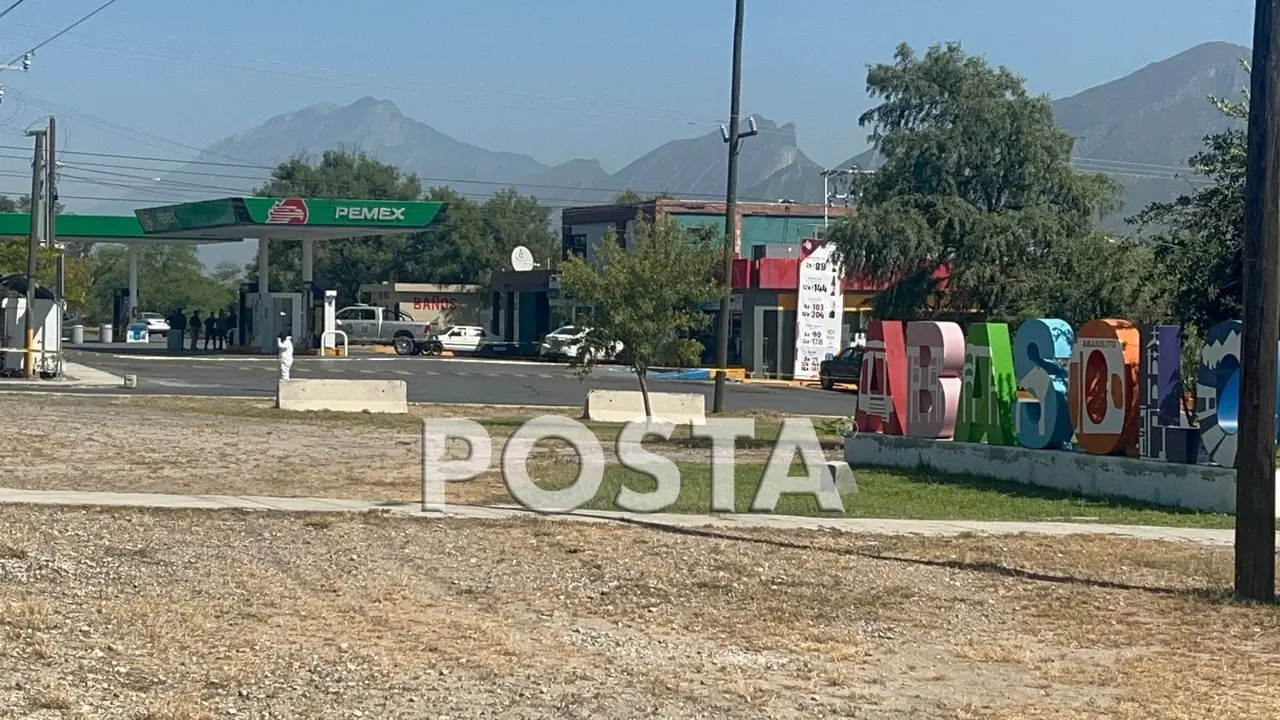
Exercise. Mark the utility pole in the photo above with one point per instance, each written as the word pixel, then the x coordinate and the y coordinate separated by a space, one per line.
pixel 33 249
pixel 1256 461
pixel 51 213
pixel 734 138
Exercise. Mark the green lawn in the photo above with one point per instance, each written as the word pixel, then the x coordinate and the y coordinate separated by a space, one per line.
pixel 916 494
pixel 903 494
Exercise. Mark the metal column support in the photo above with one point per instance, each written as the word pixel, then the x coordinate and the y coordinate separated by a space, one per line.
pixel 262 319
pixel 133 283
pixel 305 332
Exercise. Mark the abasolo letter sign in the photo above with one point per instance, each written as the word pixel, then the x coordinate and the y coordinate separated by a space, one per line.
pixel 1110 388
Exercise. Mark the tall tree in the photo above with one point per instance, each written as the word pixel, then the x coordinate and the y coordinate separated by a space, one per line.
pixel 456 250
pixel 169 277
pixel 341 264
pixel 79 265
pixel 512 220
pixel 477 238
pixel 1198 238
pixel 13 261
pixel 976 177
pixel 647 299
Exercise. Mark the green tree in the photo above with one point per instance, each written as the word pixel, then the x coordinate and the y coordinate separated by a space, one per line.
pixel 647 299
pixel 511 220
pixel 76 281
pixel 1197 239
pixel 457 249
pixel 477 238
pixel 13 259
pixel 169 277
pixel 340 264
pixel 977 178
pixel 631 197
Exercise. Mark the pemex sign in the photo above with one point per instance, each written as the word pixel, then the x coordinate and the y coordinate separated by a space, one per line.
pixel 1108 388
pixel 325 211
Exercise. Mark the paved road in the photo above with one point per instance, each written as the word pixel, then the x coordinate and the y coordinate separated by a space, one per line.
pixel 449 380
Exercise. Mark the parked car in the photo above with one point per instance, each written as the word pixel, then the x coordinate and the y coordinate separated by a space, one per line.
pixel 156 323
pixel 566 342
pixel 372 325
pixel 843 368
pixel 467 339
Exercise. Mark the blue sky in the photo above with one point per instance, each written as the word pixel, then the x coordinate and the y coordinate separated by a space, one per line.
pixel 558 79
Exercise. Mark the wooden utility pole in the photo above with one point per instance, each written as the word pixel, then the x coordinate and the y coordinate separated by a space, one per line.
pixel 1256 459
pixel 33 250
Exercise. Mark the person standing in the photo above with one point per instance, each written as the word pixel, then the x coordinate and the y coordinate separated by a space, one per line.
pixel 194 322
pixel 284 343
pixel 211 331
pixel 231 326
pixel 178 328
pixel 219 342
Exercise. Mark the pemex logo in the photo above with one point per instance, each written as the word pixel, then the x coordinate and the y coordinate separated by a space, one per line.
pixel 288 211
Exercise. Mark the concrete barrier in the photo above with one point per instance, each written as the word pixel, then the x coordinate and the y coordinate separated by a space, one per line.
pixel 627 405
pixel 373 396
pixel 1206 488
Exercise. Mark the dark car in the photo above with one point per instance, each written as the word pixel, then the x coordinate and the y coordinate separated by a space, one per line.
pixel 843 368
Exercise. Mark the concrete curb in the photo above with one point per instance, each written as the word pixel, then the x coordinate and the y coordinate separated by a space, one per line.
pixel 872 526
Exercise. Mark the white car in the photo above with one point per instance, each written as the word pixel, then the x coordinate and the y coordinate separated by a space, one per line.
pixel 566 343
pixel 469 339
pixel 156 324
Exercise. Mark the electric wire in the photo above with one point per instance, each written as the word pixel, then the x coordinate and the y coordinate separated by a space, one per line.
pixel 64 30
pixel 11 7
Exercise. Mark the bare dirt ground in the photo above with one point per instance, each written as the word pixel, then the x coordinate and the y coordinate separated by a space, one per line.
pixel 177 446
pixel 208 446
pixel 182 615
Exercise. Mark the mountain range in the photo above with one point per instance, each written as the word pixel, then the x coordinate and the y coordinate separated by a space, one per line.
pixel 1140 128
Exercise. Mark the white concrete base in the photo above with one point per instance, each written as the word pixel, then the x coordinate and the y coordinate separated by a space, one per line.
pixel 372 396
pixel 1194 487
pixel 839 475
pixel 627 405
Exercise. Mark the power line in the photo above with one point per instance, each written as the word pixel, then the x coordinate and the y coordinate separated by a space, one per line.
pixel 115 129
pixel 11 8
pixel 64 30
pixel 325 76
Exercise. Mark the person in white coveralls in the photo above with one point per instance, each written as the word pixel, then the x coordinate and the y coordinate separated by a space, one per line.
pixel 284 343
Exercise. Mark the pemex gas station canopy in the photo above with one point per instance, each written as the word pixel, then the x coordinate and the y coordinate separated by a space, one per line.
pixel 110 229
pixel 236 218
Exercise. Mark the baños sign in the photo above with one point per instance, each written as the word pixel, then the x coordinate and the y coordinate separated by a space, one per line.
pixel 1112 387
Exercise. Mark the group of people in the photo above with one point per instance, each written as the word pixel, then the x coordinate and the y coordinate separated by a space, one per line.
pixel 216 328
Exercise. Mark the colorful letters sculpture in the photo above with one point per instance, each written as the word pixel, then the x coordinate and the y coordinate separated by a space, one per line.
pixel 1113 387
pixel 935 360
pixel 1218 391
pixel 1104 387
pixel 882 385
pixel 986 401
pixel 1041 350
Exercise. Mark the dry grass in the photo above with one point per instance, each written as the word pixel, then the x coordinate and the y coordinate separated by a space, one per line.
pixel 239 447
pixel 192 615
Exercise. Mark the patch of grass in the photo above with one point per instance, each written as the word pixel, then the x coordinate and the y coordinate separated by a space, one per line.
pixel 916 494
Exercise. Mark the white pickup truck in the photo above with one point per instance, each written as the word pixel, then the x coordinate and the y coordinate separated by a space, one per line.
pixel 372 325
